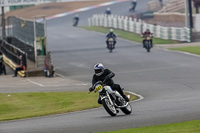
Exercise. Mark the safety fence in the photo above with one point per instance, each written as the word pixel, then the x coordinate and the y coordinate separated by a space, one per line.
pixel 13 53
pixel 24 30
pixel 138 26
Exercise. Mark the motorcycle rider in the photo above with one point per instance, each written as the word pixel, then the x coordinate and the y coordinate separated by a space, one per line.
pixel 76 19
pixel 106 75
pixel 108 11
pixel 145 34
pixel 133 5
pixel 109 35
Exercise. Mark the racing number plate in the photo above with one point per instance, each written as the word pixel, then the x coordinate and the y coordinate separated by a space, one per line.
pixel 99 87
pixel 148 38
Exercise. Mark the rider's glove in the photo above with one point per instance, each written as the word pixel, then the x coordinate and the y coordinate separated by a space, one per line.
pixel 91 89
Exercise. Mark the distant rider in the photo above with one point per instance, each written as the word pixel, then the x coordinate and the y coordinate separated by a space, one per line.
pixel 76 19
pixel 108 11
pixel 145 34
pixel 106 75
pixel 133 5
pixel 111 35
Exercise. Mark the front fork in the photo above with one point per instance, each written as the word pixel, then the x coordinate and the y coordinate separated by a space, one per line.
pixel 108 96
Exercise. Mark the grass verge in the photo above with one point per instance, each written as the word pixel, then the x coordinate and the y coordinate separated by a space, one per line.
pixel 26 105
pixel 128 35
pixel 182 127
pixel 192 49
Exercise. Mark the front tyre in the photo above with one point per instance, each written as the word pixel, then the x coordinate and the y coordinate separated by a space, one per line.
pixel 111 47
pixel 147 45
pixel 109 107
pixel 127 110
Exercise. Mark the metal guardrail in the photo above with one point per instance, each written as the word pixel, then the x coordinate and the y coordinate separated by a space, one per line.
pixel 13 53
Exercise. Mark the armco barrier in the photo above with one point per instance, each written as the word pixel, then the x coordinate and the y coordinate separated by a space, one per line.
pixel 127 24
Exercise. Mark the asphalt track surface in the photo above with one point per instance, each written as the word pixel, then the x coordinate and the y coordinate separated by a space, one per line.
pixel 168 81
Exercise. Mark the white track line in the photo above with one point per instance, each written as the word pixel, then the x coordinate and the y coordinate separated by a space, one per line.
pixel 41 85
pixel 182 52
pixel 140 97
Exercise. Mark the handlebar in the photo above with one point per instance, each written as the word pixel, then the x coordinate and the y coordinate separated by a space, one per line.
pixel 92 88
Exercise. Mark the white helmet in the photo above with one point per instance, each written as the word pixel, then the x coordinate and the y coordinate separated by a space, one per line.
pixel 76 15
pixel 111 30
pixel 98 69
pixel 108 9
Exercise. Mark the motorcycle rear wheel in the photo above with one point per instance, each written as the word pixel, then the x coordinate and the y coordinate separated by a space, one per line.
pixel 109 107
pixel 127 110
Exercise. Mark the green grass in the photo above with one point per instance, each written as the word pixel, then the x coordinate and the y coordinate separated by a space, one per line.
pixel 192 49
pixel 182 127
pixel 129 35
pixel 26 105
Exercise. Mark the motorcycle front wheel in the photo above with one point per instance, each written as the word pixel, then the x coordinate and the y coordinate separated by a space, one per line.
pixel 147 45
pixel 110 47
pixel 127 110
pixel 109 107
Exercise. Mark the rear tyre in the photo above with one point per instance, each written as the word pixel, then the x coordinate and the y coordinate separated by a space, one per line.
pixel 127 110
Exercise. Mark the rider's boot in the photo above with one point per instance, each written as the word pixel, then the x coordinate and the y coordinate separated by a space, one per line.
pixel 126 98
pixel 151 44
pixel 143 44
pixel 123 95
pixel 107 44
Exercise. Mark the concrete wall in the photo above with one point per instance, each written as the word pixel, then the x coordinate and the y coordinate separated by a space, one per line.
pixel 6 9
pixel 169 17
pixel 197 23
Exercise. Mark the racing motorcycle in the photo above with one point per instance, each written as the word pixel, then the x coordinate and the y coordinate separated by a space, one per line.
pixel 132 8
pixel 148 43
pixel 111 44
pixel 75 21
pixel 111 99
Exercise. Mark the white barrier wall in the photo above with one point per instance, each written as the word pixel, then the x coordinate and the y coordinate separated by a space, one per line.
pixel 6 9
pixel 197 23
pixel 127 24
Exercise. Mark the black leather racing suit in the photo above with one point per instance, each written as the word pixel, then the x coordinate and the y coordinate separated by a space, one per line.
pixel 106 78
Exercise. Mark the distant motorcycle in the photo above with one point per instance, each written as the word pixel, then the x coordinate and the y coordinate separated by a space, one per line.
pixel 75 22
pixel 132 8
pixel 111 100
pixel 111 44
pixel 148 43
